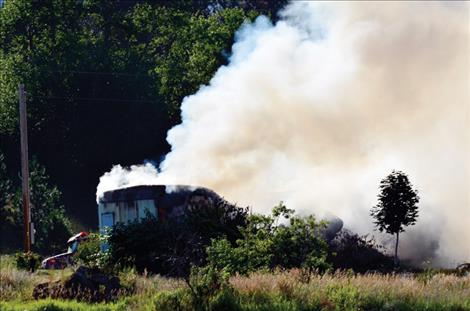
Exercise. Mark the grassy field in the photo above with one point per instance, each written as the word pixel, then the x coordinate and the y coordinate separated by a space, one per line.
pixel 261 291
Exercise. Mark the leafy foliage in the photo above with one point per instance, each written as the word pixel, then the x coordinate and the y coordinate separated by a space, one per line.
pixel 89 253
pixel 52 226
pixel 205 283
pixel 27 261
pixel 397 207
pixel 266 245
pixel 172 246
pixel 101 76
pixel 8 213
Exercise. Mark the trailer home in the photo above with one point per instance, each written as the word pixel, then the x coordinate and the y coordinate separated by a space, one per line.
pixel 134 203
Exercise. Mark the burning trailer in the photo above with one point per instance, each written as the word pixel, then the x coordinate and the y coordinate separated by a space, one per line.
pixel 161 201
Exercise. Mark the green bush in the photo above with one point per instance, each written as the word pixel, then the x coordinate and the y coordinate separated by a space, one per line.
pixel 89 253
pixel 87 249
pixel 27 261
pixel 171 247
pixel 208 289
pixel 226 299
pixel 344 297
pixel 204 284
pixel 267 245
pixel 178 300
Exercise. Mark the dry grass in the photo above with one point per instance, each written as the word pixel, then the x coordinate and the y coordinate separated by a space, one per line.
pixel 447 289
pixel 261 291
pixel 147 284
pixel 18 284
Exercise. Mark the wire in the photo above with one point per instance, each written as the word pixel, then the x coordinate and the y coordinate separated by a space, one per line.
pixel 100 73
pixel 99 99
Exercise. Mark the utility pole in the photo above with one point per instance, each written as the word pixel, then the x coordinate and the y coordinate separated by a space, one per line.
pixel 28 238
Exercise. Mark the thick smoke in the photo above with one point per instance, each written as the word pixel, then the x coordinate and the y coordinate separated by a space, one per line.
pixel 318 108
pixel 121 177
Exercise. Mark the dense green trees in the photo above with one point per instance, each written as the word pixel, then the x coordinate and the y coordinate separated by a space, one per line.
pixel 52 227
pixel 105 80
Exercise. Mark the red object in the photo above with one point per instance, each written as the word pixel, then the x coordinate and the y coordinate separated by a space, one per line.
pixel 79 236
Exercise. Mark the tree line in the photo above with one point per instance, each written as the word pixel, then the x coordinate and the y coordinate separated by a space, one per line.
pixel 104 83
pixel 105 80
pixel 228 239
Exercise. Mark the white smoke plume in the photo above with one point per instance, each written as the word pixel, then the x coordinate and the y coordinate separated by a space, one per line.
pixel 120 177
pixel 318 108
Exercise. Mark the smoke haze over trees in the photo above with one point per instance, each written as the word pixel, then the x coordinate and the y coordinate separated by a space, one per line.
pixel 315 109
pixel 312 108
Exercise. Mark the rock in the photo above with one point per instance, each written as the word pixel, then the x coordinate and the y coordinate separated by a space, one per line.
pixel 84 284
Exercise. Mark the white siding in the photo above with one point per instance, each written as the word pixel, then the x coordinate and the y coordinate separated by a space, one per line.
pixel 125 212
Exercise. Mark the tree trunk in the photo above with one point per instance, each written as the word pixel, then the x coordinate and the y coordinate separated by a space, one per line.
pixel 396 251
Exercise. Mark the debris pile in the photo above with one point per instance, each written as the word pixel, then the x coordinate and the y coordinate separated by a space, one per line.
pixel 84 284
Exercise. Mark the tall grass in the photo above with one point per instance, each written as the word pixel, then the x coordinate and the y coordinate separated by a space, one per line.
pixel 439 286
pixel 147 284
pixel 19 284
pixel 345 291
pixel 259 291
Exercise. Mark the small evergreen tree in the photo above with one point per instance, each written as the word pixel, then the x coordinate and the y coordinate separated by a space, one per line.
pixel 397 207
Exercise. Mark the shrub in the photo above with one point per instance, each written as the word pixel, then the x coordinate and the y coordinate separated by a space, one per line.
pixel 27 261
pixel 205 283
pixel 266 245
pixel 221 255
pixel 360 253
pixel 89 253
pixel 171 247
pixel 344 297
pixel 226 299
pixel 178 300
pixel 88 249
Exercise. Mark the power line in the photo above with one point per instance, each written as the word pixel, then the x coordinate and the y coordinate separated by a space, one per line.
pixel 100 99
pixel 104 73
